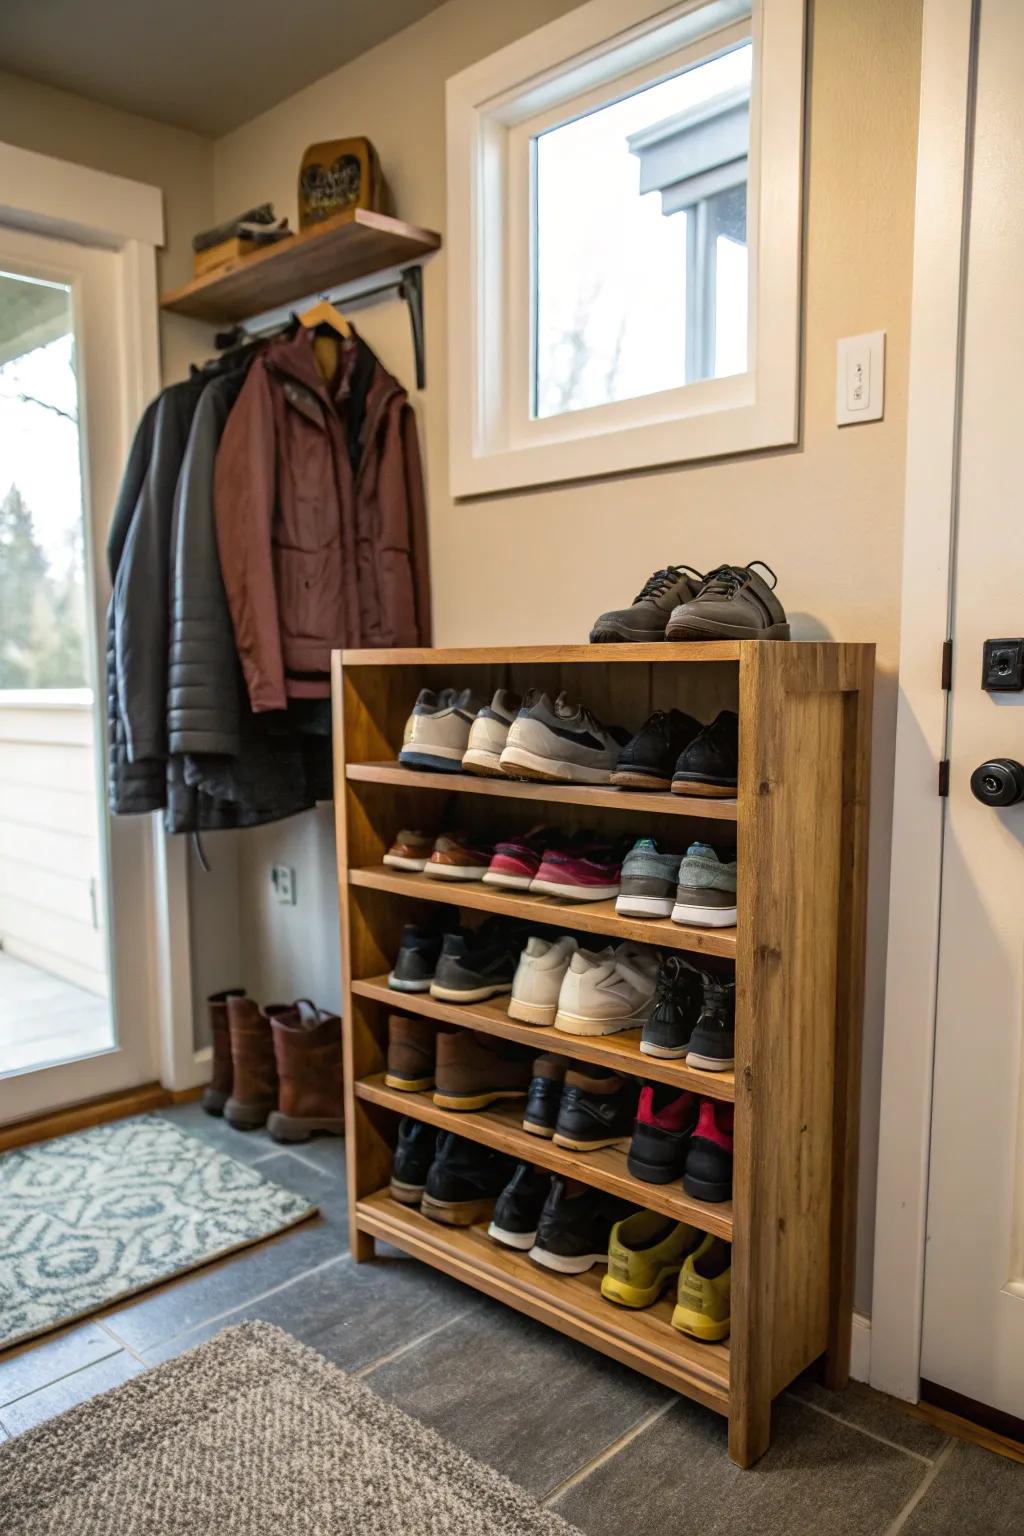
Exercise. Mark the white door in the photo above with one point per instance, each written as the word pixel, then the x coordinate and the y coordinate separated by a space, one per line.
pixel 973 1339
pixel 76 1015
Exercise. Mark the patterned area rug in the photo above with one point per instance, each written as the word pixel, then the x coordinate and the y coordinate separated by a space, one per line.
pixel 252 1434
pixel 98 1215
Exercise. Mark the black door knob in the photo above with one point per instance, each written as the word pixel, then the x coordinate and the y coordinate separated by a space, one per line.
pixel 998 782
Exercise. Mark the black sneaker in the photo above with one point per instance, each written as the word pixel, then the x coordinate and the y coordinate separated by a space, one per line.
pixel 544 1095
pixel 464 1181
pixel 596 1111
pixel 712 1044
pixel 710 764
pixel 708 1174
pixel 574 1227
pixel 414 1154
pixel 678 999
pixel 665 1122
pixel 474 966
pixel 651 609
pixel 520 1203
pixel 649 758
pixel 418 951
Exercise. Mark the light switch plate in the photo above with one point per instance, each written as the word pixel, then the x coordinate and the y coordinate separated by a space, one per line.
pixel 282 878
pixel 860 378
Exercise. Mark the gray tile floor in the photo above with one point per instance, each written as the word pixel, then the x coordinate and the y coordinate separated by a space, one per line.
pixel 612 1452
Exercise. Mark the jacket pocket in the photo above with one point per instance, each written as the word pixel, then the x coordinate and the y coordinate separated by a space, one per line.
pixel 308 595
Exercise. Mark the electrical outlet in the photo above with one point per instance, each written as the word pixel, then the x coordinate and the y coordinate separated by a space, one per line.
pixel 282 878
pixel 860 378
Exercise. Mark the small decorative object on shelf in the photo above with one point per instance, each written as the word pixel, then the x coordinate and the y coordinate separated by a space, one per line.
pixel 336 176
pixel 237 238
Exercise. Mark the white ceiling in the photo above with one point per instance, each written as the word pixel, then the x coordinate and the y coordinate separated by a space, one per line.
pixel 202 64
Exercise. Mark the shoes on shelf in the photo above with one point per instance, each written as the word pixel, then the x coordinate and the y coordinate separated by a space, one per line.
pixel 412 1052
pixel 608 992
pixel 544 1095
pixel 647 760
pixel 596 1109
pixel 706 893
pixel 475 1071
pixel 489 732
pixel 678 999
pixel 454 857
pixel 410 850
pixel 709 764
pixel 463 1181
pixel 437 732
pixel 731 603
pixel 647 884
pixel 418 950
pixel 708 1173
pixel 307 1050
pixel 538 979
pixel 645 1254
pixel 516 860
pixel 579 872
pixel 561 743
pixel 254 1082
pixel 702 1305
pixel 665 1122
pixel 218 1089
pixel 475 965
pixel 517 1213
pixel 414 1153
pixel 712 1045
pixel 645 619
pixel 574 1227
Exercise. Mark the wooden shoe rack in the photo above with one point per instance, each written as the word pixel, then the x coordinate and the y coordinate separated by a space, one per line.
pixel 799 824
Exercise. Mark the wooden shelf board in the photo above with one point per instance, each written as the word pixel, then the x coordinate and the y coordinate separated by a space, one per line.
pixel 573 1304
pixel 587 916
pixel 501 1127
pixel 341 249
pixel 535 655
pixel 620 1053
pixel 651 802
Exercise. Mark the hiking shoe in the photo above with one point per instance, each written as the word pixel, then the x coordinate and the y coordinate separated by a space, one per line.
pixel 645 1254
pixel 604 994
pixel 544 1095
pixel 515 861
pixel 474 1071
pixel 708 1173
pixel 457 858
pixel 709 765
pixel 596 1109
pixel 538 980
pixel 732 603
pixel 650 610
pixel 579 874
pixel 411 1163
pixel 474 966
pixel 561 743
pixel 706 893
pixel 574 1227
pixel 665 1121
pixel 702 1307
pixel 489 732
pixel 410 850
pixel 647 884
pixel 464 1181
pixel 712 1045
pixel 678 998
pixel 520 1203
pixel 418 951
pixel 412 1048
pixel 437 732
pixel 647 759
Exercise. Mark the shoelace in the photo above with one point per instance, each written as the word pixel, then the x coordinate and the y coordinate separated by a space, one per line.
pixel 730 579
pixel 669 979
pixel 662 579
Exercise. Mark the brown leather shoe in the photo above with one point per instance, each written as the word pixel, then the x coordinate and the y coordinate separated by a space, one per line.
pixel 218 1090
pixel 307 1045
pixel 476 1070
pixel 254 1088
pixel 411 1052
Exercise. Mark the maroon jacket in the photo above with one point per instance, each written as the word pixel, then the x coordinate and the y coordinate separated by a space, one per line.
pixel 321 524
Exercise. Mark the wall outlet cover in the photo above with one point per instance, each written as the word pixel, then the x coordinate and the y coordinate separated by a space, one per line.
pixel 282 878
pixel 860 378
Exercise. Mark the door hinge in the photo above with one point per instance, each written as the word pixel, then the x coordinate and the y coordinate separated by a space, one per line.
pixel 947 664
pixel 944 777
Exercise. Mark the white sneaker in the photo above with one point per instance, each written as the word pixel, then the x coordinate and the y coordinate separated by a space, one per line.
pixel 538 979
pixel 489 733
pixel 437 731
pixel 607 993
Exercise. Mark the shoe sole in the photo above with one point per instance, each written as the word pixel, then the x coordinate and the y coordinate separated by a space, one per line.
pixel 243 1118
pixel 541 1014
pixel 591 1144
pixel 398 984
pixel 301 1128
pixel 574 892
pixel 534 1128
pixel 663 1052
pixel 637 779
pixel 469 995
pixel 698 1326
pixel 702 1189
pixel 394 861
pixel 578 1264
pixel 435 761
pixel 517 763
pixel 710 1063
pixel 408 1084
pixel 487 764
pixel 704 917
pixel 708 629
pixel 520 1240
pixel 464 1101
pixel 652 1173
pixel 705 788
pixel 455 871
pixel 456 1213
pixel 609 634
pixel 644 906
pixel 573 1024
pixel 637 1296
pixel 213 1101
pixel 405 1194
pixel 510 882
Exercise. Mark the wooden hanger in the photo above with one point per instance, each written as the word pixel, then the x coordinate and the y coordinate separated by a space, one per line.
pixel 324 313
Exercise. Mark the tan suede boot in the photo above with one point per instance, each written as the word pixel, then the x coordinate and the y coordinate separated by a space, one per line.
pixel 254 1089
pixel 218 1090
pixel 307 1045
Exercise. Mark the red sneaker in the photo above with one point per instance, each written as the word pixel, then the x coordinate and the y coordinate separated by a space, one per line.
pixel 582 874
pixel 516 861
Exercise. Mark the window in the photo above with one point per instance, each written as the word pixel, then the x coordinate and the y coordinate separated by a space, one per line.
pixel 624 228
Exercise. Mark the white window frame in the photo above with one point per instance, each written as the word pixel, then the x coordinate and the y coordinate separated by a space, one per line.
pixel 602 50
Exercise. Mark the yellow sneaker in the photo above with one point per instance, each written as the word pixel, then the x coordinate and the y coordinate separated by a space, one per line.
pixel 645 1253
pixel 702 1309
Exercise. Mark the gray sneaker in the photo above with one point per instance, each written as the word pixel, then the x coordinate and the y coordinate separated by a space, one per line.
pixel 706 894
pixel 651 608
pixel 647 885
pixel 734 603
pixel 561 743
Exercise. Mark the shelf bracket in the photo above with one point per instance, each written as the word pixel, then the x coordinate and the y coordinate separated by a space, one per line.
pixel 410 288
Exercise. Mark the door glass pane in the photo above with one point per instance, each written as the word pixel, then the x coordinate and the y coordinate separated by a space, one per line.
pixel 640 278
pixel 54 991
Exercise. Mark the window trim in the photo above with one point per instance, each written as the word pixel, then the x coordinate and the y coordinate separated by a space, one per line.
pixel 603 42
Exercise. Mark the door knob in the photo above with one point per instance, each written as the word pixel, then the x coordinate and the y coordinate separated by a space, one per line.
pixel 998 782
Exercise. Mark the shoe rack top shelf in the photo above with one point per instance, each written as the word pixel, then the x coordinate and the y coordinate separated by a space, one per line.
pixel 619 1053
pixel 545 655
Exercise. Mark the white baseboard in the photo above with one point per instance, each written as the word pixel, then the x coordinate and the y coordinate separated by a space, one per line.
pixel 860 1348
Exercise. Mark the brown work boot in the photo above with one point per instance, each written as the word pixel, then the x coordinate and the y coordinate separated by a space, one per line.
pixel 411 1052
pixel 476 1070
pixel 307 1045
pixel 218 1089
pixel 254 1085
